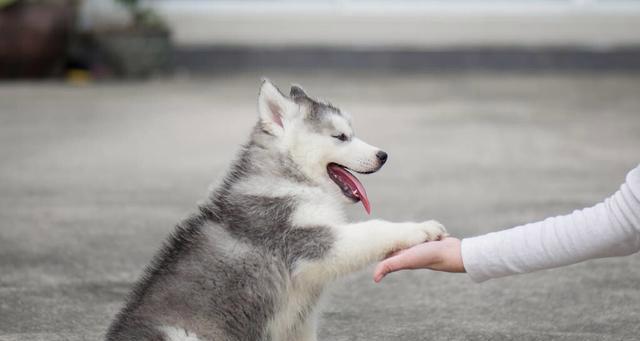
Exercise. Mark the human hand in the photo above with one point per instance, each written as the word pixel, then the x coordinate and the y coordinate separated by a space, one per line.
pixel 443 255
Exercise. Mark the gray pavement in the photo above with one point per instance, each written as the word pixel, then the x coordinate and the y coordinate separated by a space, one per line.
pixel 93 178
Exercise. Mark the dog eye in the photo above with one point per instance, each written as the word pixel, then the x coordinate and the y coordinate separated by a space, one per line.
pixel 341 137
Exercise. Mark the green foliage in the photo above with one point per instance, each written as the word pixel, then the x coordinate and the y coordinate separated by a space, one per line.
pixel 144 18
pixel 4 3
pixel 147 18
pixel 130 3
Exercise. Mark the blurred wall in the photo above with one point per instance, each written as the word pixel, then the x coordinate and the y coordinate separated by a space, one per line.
pixel 216 35
pixel 404 24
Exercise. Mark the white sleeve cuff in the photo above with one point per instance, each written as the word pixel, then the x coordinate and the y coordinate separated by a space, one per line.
pixel 471 250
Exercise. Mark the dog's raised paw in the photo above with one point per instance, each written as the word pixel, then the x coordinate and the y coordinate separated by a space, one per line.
pixel 433 230
pixel 418 233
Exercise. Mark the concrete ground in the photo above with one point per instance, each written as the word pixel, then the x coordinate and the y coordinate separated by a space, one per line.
pixel 93 178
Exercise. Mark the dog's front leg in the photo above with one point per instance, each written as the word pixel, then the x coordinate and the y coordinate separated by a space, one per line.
pixel 357 245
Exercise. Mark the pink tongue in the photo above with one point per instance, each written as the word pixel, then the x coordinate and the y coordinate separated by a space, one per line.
pixel 354 185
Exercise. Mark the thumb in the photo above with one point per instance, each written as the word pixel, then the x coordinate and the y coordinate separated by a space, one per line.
pixel 391 264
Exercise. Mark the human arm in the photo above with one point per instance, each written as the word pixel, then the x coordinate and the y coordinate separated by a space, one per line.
pixel 610 228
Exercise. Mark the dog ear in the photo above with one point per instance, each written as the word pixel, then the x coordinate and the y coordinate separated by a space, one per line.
pixel 297 92
pixel 273 107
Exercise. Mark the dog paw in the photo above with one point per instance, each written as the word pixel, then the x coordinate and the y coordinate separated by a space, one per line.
pixel 426 231
pixel 433 230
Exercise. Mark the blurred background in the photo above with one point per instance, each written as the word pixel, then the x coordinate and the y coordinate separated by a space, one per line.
pixel 116 116
pixel 100 39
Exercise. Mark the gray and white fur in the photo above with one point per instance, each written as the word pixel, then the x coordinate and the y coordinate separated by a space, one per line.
pixel 252 262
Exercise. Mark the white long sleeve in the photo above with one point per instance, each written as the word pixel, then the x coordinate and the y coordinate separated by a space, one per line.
pixel 610 228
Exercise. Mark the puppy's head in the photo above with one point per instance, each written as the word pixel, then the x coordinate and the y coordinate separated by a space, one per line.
pixel 320 140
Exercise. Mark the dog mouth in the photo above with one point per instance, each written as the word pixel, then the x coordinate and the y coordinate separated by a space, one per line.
pixel 350 186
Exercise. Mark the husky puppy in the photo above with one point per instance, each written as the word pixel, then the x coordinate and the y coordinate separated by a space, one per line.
pixel 252 263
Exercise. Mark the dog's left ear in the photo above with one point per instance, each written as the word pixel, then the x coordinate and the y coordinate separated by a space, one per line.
pixel 297 92
pixel 274 108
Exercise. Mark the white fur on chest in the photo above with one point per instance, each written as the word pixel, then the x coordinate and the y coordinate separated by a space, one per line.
pixel 318 210
pixel 304 291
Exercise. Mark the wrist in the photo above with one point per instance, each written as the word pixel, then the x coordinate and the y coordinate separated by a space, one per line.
pixel 457 262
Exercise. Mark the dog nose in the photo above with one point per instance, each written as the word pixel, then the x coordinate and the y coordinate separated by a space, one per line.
pixel 382 156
